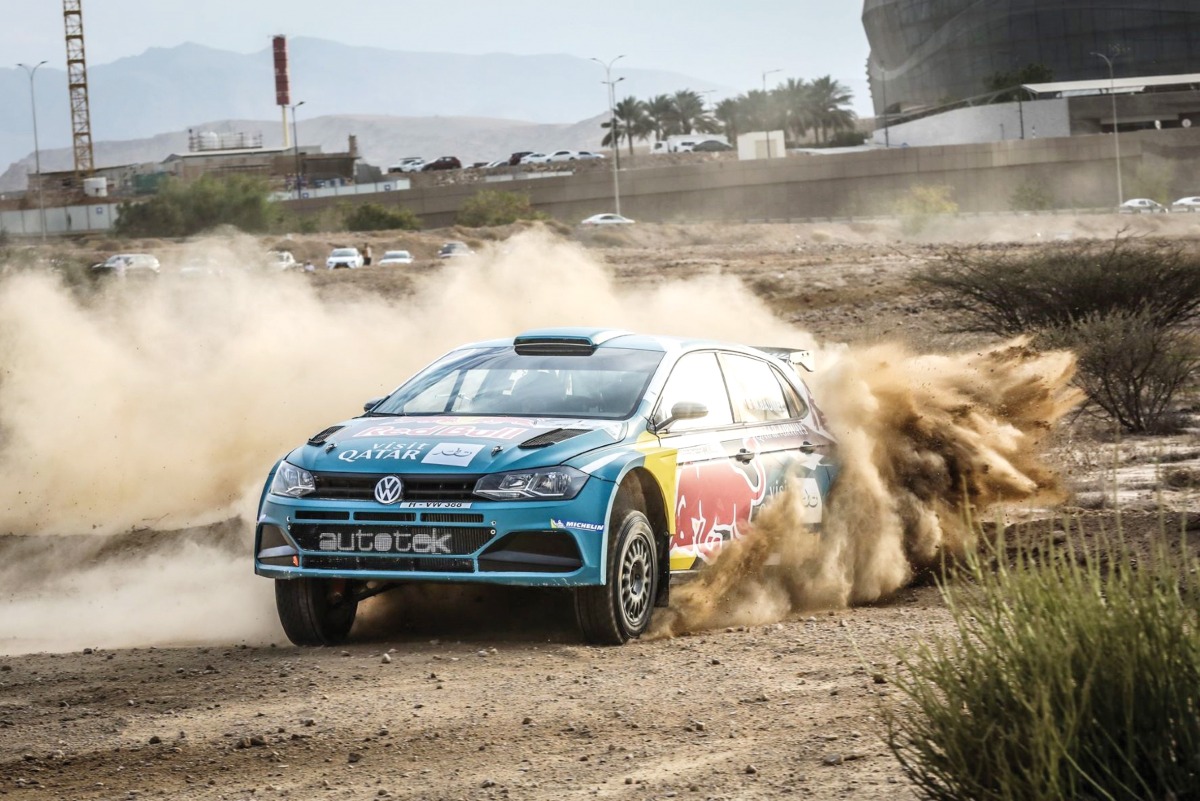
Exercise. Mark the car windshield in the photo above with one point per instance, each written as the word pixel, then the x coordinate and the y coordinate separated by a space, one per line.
pixel 499 381
pixel 343 252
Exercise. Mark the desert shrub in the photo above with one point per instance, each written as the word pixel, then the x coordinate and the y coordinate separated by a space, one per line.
pixel 1130 366
pixel 183 209
pixel 374 217
pixel 491 207
pixel 1072 675
pixel 1019 291
pixel 1031 196
pixel 919 205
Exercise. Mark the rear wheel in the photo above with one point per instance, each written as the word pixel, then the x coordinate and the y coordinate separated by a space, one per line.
pixel 620 610
pixel 315 611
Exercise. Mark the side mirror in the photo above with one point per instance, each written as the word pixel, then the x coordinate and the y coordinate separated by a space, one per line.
pixel 684 410
pixel 372 403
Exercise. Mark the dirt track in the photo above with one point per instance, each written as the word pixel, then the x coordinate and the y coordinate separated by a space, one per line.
pixel 494 696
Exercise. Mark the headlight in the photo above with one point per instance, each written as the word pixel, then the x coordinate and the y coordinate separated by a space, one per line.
pixel 548 483
pixel 292 481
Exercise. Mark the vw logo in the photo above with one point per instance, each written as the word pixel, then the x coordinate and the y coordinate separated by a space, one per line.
pixel 389 489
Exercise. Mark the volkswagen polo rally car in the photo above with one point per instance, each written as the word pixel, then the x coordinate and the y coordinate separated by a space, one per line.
pixel 602 461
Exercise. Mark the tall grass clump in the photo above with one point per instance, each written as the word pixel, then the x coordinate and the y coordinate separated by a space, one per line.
pixel 1072 674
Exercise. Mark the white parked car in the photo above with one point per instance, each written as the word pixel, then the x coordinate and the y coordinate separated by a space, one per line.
pixel 128 264
pixel 1186 204
pixel 408 164
pixel 607 219
pixel 587 154
pixel 535 158
pixel 395 257
pixel 563 155
pixel 491 165
pixel 344 257
pixel 1141 205
pixel 281 260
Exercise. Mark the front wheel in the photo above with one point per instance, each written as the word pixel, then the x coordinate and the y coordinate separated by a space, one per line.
pixel 620 610
pixel 315 611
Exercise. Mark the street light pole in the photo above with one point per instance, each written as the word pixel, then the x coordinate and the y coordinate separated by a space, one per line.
pixel 1112 93
pixel 296 146
pixel 37 151
pixel 767 105
pixel 612 130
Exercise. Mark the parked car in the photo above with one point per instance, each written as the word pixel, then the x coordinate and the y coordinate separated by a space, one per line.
pixel 711 146
pixel 408 164
pixel 391 257
pixel 454 249
pixel 588 154
pixel 535 158
pixel 1186 204
pixel 281 260
pixel 606 219
pixel 128 265
pixel 344 257
pixel 443 163
pixel 598 461
pixel 1141 205
pixel 515 158
pixel 491 165
pixel 563 155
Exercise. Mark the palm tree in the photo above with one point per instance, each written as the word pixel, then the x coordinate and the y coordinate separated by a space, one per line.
pixel 728 115
pixel 792 100
pixel 631 120
pixel 826 100
pixel 658 114
pixel 688 113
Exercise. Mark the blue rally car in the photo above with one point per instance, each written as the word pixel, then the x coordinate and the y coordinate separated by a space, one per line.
pixel 602 461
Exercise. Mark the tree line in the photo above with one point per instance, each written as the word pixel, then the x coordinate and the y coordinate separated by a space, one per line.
pixel 795 106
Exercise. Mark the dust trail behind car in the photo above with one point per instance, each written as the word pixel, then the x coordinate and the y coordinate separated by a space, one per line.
pixel 924 441
pixel 162 405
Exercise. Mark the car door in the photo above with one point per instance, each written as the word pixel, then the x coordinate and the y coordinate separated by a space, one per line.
pixel 717 488
pixel 783 438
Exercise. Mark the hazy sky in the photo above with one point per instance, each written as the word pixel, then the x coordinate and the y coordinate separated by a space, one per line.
pixel 727 43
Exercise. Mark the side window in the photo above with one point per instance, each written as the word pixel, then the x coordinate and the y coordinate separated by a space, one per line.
pixel 754 389
pixel 796 405
pixel 696 378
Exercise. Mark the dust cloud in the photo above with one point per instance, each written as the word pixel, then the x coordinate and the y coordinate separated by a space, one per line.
pixel 162 405
pixel 926 443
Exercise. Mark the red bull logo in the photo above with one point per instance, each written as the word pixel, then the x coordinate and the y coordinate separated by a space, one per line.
pixel 714 497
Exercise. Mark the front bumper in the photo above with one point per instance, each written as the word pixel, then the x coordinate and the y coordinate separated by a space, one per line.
pixel 526 543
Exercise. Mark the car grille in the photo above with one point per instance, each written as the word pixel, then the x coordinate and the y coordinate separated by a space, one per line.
pixel 390 540
pixel 361 487
pixel 404 564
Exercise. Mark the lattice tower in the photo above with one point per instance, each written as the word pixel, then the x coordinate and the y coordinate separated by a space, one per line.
pixel 81 121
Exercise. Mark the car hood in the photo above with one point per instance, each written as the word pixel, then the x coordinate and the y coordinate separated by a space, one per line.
pixel 469 445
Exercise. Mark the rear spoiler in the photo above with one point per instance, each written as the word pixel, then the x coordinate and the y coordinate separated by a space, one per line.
pixel 804 358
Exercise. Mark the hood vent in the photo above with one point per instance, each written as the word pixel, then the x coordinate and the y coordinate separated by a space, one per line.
pixel 319 439
pixel 552 437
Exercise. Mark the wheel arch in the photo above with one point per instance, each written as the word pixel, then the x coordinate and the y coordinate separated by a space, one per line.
pixel 639 490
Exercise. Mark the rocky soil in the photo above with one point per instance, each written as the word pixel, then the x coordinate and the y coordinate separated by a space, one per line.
pixel 490 695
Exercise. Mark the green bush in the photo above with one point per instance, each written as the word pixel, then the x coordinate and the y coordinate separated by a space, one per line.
pixel 183 209
pixel 1031 196
pixel 490 207
pixel 921 203
pixel 373 217
pixel 1073 675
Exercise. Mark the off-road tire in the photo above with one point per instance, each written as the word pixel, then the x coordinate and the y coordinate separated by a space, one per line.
pixel 308 613
pixel 620 610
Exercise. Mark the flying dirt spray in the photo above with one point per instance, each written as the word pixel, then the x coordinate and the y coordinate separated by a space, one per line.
pixel 923 441
pixel 161 407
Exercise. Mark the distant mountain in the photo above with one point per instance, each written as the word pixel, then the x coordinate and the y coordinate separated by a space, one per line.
pixel 172 89
pixel 381 140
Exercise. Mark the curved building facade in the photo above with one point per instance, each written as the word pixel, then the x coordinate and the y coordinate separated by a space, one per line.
pixel 928 53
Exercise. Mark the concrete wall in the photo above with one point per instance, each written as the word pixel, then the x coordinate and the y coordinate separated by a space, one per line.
pixel 1073 172
pixel 1039 119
